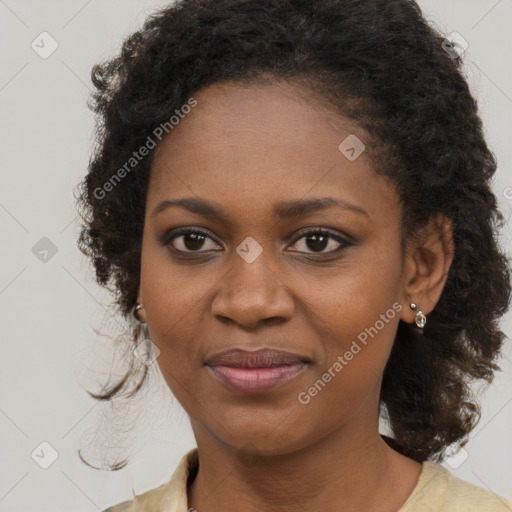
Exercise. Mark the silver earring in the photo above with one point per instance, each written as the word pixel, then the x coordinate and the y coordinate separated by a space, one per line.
pixel 137 308
pixel 145 350
pixel 144 325
pixel 420 318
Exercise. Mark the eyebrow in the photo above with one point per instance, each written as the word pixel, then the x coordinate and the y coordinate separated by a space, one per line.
pixel 284 210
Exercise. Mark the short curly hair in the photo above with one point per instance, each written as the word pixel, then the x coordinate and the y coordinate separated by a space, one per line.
pixel 379 63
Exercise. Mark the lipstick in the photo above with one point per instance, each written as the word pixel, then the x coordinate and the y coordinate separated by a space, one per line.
pixel 257 371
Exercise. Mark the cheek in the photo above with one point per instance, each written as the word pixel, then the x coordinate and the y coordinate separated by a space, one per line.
pixel 172 294
pixel 353 296
pixel 356 315
pixel 172 298
pixel 348 379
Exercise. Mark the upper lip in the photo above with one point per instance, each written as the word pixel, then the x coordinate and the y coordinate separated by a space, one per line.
pixel 263 358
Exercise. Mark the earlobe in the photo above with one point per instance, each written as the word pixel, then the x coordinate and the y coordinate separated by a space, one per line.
pixel 428 261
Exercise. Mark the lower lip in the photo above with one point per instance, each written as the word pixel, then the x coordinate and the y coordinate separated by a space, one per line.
pixel 256 380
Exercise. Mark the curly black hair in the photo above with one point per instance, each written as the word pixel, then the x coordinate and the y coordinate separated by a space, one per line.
pixel 379 63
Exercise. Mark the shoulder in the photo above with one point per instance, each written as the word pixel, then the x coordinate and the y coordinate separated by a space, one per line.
pixel 170 496
pixel 147 501
pixel 440 491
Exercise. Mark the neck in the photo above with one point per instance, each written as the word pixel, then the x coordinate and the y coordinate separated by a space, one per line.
pixel 352 468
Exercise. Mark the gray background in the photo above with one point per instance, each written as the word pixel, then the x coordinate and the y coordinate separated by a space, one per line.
pixel 51 308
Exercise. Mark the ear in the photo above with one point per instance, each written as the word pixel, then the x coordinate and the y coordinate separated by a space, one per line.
pixel 428 258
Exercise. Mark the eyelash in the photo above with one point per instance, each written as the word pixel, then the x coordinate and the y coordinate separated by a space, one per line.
pixel 170 237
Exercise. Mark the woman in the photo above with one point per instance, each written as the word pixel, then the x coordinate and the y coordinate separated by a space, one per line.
pixel 293 198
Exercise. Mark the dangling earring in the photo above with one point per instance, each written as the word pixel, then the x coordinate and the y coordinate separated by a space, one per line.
pixel 146 351
pixel 420 318
pixel 144 325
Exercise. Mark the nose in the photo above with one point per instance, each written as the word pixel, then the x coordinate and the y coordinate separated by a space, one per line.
pixel 252 294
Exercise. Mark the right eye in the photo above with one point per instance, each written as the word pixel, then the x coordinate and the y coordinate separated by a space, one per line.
pixel 189 240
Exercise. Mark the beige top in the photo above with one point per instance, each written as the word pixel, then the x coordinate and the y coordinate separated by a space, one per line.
pixel 437 490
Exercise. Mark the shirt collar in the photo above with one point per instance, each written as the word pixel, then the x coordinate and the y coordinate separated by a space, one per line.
pixel 175 492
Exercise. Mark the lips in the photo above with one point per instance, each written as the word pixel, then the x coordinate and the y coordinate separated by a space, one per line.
pixel 264 358
pixel 255 372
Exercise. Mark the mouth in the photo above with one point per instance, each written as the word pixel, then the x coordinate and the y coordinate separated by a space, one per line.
pixel 258 371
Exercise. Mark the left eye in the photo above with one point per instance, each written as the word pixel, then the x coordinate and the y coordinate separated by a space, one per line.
pixel 316 240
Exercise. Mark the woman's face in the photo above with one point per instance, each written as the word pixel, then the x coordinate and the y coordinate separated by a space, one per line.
pixel 260 277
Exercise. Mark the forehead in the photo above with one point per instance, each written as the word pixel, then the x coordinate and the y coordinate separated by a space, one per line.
pixel 263 144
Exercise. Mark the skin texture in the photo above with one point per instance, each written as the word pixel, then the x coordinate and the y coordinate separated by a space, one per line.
pixel 247 148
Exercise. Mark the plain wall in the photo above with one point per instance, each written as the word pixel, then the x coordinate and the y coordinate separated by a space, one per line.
pixel 51 308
